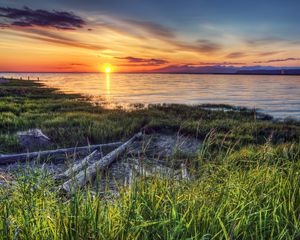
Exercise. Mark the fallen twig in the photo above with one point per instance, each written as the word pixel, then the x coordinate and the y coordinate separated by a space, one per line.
pixel 19 157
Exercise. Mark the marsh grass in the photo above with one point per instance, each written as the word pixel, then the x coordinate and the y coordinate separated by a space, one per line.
pixel 245 184
pixel 249 194
pixel 71 121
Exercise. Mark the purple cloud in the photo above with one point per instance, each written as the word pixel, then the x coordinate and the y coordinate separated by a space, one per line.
pixel 279 60
pixel 187 68
pixel 225 63
pixel 26 17
pixel 133 61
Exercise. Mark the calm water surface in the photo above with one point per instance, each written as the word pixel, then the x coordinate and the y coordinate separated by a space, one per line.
pixel 276 95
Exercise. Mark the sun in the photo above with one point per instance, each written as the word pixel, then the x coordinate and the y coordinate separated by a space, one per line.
pixel 107 68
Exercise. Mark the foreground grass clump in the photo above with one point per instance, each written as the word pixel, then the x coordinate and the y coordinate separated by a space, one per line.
pixel 259 200
pixel 70 121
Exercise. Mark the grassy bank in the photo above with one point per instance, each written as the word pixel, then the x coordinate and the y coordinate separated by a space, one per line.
pixel 245 186
pixel 70 121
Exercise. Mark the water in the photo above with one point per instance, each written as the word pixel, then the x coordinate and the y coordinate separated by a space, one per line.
pixel 275 95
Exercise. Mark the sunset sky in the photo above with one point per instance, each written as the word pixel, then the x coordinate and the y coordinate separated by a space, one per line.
pixel 140 35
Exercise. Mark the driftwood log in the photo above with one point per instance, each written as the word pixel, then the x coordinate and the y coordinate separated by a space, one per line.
pixel 85 175
pixel 19 157
pixel 77 167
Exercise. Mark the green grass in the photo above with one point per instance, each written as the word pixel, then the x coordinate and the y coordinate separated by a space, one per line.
pixel 250 194
pixel 245 184
pixel 69 120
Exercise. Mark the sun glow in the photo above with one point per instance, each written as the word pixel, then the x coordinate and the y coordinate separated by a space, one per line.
pixel 107 68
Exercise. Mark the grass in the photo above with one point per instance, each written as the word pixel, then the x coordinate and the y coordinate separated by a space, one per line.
pixel 69 120
pixel 249 194
pixel 245 184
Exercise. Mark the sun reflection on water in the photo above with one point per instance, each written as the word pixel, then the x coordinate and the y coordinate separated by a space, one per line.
pixel 108 95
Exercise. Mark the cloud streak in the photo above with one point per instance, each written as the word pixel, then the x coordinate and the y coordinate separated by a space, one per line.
pixel 27 17
pixel 168 35
pixel 51 37
pixel 270 53
pixel 200 46
pixel 263 41
pixel 236 55
pixel 207 46
pixel 225 63
pixel 133 61
pixel 279 60
pixel 152 28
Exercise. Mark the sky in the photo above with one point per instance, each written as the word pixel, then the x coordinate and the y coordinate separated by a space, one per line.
pixel 147 35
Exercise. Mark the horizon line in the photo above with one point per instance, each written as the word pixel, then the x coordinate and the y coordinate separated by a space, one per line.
pixel 280 68
pixel 199 73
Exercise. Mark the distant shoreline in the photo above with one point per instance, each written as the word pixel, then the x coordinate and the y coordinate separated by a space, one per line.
pixel 249 74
